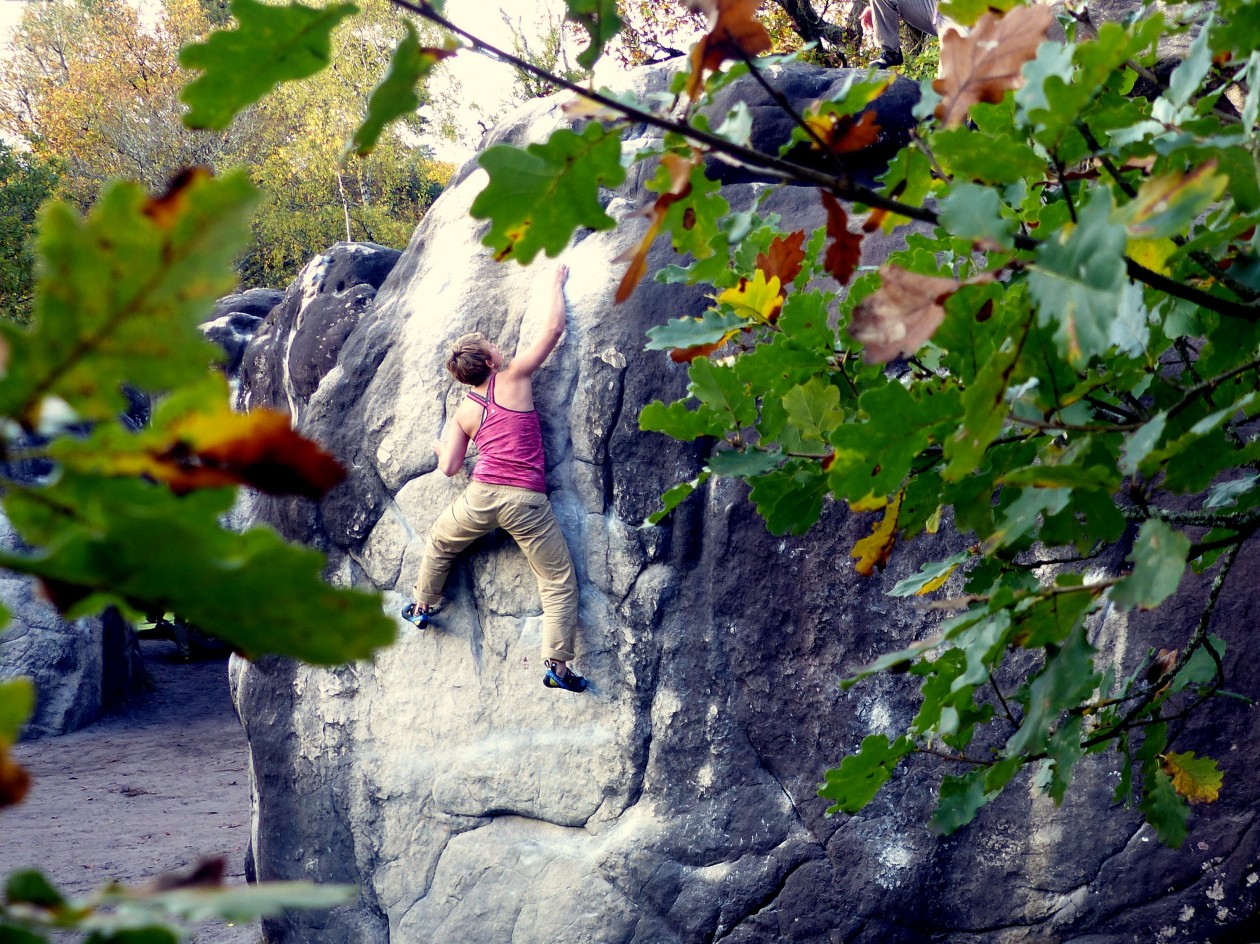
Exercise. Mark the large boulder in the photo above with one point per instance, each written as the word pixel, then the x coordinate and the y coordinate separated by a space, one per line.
pixel 79 668
pixel 676 801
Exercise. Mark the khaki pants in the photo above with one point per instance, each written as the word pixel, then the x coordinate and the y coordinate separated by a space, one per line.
pixel 528 517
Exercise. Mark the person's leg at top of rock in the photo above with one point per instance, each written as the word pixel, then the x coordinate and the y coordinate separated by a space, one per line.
pixel 885 16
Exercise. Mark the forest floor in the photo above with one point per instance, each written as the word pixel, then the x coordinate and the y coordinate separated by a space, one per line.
pixel 155 786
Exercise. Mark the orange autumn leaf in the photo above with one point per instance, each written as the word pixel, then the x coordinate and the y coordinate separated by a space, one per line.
pixel 685 355
pixel 845 248
pixel 874 550
pixel 844 134
pixel 783 258
pixel 734 32
pixel 166 209
pixel 983 65
pixel 259 449
pixel 679 171
pixel 211 450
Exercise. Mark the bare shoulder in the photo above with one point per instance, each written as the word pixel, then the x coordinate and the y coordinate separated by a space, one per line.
pixel 468 416
pixel 514 390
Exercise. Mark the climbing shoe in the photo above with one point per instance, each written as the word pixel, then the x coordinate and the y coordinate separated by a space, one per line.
pixel 887 58
pixel 417 615
pixel 570 681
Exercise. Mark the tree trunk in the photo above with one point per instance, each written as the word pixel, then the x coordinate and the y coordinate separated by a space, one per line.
pixel 812 27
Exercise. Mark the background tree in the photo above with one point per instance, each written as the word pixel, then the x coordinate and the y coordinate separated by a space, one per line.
pixel 98 85
pixel 26 182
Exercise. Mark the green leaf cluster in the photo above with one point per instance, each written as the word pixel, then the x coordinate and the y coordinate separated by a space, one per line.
pixel 119 298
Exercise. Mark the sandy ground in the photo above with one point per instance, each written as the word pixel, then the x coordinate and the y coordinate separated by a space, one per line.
pixel 151 788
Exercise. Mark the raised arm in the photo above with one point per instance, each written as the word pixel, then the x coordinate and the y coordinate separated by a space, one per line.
pixel 529 359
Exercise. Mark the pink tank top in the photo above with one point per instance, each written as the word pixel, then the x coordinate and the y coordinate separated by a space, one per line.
pixel 510 445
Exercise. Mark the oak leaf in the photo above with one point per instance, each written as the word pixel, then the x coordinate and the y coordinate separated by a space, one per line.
pixel 983 65
pixel 784 257
pixel 221 448
pixel 685 355
pixel 846 247
pixel 734 33
pixel 678 185
pixel 755 298
pixel 903 313
pixel 1198 779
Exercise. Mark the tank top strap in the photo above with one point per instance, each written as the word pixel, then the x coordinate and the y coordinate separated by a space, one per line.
pixel 490 389
pixel 477 398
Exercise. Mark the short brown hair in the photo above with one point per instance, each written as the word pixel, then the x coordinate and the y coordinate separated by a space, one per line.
pixel 469 362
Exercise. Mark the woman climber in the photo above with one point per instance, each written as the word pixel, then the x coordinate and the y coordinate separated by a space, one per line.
pixel 508 488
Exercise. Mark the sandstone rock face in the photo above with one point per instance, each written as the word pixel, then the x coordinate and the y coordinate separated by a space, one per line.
pixel 78 668
pixel 301 336
pixel 675 801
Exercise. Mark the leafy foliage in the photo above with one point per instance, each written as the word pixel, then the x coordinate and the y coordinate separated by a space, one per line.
pixel 33 909
pixel 26 182
pixel 119 297
pixel 1077 341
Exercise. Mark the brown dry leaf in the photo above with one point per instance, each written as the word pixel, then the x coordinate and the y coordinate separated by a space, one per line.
pixel 679 169
pixel 165 210
pixel 845 248
pixel 983 65
pixel 902 314
pixel 783 258
pixel 14 780
pixel 734 32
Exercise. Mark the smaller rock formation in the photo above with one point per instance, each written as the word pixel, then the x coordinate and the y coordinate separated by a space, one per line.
pixel 78 668
pixel 282 365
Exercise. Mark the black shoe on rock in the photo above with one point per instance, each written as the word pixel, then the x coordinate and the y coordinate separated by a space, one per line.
pixel 887 58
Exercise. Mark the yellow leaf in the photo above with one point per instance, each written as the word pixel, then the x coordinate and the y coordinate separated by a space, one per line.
pixel 1198 779
pixel 871 502
pixel 873 551
pixel 1152 253
pixel 755 298
pixel 935 583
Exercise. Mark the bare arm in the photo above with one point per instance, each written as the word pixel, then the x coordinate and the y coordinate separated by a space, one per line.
pixel 452 452
pixel 529 359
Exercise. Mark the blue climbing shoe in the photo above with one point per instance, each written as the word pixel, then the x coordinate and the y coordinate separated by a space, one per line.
pixel 417 615
pixel 570 681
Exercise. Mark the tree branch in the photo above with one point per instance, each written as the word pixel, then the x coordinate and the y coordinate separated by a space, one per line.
pixel 839 185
